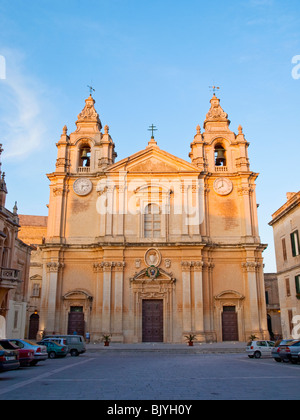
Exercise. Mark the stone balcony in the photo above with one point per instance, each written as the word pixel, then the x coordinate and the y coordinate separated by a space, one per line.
pixel 84 169
pixel 9 277
pixel 221 169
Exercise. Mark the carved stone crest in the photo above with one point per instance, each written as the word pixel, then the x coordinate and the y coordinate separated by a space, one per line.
pixel 152 257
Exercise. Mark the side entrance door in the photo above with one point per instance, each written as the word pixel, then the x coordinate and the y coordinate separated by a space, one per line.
pixel 76 320
pixel 230 324
pixel 33 326
pixel 152 319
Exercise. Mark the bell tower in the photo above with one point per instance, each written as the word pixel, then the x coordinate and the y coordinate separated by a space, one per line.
pixel 218 149
pixel 86 152
pixel 222 157
pixel 87 149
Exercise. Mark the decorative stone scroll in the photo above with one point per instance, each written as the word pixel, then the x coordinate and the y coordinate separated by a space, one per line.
pixel 251 266
pixel 107 266
pixel 54 267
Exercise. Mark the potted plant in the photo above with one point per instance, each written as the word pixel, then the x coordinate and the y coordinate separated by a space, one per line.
pixel 106 338
pixel 252 337
pixel 190 339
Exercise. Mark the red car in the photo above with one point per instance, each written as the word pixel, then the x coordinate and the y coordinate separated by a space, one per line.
pixel 26 356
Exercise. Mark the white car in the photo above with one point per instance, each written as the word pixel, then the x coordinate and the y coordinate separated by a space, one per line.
pixel 40 352
pixel 259 348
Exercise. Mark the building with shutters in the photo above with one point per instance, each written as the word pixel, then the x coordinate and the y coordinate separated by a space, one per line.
pixel 286 227
pixel 153 247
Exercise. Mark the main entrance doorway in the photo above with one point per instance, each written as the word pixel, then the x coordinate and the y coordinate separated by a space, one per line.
pixel 152 318
pixel 76 320
pixel 230 324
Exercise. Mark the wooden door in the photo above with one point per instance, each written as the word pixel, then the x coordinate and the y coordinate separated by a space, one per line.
pixel 76 323
pixel 230 324
pixel 34 323
pixel 152 319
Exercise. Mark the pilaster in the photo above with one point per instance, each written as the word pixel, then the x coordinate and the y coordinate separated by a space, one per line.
pixel 53 269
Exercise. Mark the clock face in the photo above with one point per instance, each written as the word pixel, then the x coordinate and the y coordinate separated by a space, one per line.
pixel 223 186
pixel 82 186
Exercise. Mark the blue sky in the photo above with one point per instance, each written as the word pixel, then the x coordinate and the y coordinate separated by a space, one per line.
pixel 150 62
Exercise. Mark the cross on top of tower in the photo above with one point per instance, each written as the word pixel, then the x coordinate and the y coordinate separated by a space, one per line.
pixel 91 89
pixel 214 88
pixel 152 128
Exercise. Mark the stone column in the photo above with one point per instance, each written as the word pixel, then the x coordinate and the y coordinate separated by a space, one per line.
pixel 198 301
pixel 252 323
pixel 118 307
pixel 59 194
pixel 106 306
pixel 184 211
pixel 121 210
pixel 96 320
pixel 54 268
pixel 208 310
pixel 110 209
pixel 245 192
pixel 186 297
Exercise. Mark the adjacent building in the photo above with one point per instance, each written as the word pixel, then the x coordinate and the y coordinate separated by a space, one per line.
pixel 286 226
pixel 32 231
pixel 14 269
pixel 273 305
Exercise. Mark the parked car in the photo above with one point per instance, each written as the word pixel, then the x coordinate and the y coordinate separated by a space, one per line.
pixel 40 352
pixel 26 356
pixel 75 343
pixel 259 348
pixel 9 359
pixel 290 351
pixel 276 349
pixel 54 349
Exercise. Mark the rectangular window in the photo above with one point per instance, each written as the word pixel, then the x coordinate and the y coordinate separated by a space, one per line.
pixel 16 318
pixel 284 249
pixel 152 221
pixel 36 290
pixel 267 298
pixel 287 287
pixel 295 243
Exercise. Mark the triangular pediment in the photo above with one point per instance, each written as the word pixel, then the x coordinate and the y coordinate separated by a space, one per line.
pixel 153 160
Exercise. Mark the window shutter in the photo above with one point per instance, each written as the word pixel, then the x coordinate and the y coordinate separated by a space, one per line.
pixel 295 243
pixel 284 249
pixel 297 281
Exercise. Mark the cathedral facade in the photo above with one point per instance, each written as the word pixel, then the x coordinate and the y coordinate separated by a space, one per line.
pixel 152 248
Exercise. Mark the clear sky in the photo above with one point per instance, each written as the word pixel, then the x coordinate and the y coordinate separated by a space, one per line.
pixel 150 62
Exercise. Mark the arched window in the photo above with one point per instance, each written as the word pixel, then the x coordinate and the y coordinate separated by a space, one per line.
pixel 220 155
pixel 85 156
pixel 152 222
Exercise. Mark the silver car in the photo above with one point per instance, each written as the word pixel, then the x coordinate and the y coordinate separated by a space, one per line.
pixel 259 348
pixel 40 352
